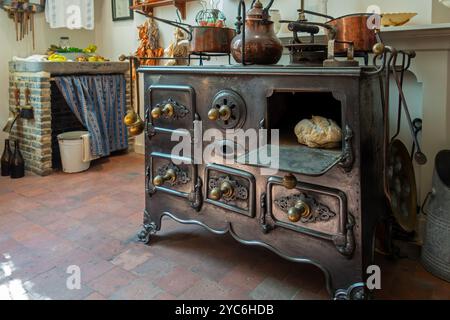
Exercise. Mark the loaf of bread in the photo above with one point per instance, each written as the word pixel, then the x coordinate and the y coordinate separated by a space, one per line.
pixel 319 132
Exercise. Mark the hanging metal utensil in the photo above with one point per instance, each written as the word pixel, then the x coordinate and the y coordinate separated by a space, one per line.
pixel 33 12
pixel 417 123
pixel 402 186
pixel 138 127
pixel 419 156
pixel 26 112
pixel 14 112
pixel 133 119
pixel 16 22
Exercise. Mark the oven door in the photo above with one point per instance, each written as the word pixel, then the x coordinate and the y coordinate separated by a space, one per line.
pixel 176 176
pixel 313 210
pixel 171 112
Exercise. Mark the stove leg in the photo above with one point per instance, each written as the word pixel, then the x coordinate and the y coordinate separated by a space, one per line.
pixel 149 228
pixel 356 291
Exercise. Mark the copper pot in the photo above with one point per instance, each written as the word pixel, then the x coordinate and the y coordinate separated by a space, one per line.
pixel 211 39
pixel 353 28
pixel 202 39
pixel 257 42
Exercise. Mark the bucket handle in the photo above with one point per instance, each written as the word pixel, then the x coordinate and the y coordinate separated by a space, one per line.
pixel 426 201
pixel 86 155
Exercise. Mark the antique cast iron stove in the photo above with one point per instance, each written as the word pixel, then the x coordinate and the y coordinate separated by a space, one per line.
pixel 320 208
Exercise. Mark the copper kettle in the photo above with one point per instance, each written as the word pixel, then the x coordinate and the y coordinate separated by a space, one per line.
pixel 257 42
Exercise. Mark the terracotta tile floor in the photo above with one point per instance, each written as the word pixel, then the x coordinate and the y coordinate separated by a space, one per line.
pixel 91 219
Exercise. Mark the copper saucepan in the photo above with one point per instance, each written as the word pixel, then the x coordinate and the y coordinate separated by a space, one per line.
pixel 354 28
pixel 211 39
pixel 350 28
pixel 202 39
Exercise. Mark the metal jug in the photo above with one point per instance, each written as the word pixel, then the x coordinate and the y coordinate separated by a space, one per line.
pixel 436 248
pixel 256 43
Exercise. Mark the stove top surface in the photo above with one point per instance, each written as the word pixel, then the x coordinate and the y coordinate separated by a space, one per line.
pixel 260 69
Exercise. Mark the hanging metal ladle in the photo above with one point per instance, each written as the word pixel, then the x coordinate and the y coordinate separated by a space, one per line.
pixel 133 119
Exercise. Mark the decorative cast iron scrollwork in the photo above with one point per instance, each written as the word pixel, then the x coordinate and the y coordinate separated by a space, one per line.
pixel 149 127
pixel 348 158
pixel 149 186
pixel 240 192
pixel 319 212
pixel 266 228
pixel 182 177
pixel 196 198
pixel 149 228
pixel 356 291
pixel 348 248
pixel 179 110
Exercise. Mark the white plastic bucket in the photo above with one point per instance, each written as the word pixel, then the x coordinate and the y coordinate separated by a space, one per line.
pixel 75 151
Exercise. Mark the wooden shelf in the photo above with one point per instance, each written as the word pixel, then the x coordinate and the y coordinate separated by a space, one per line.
pixel 148 6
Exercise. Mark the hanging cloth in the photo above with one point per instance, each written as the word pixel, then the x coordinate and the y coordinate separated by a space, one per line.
pixel 72 14
pixel 99 102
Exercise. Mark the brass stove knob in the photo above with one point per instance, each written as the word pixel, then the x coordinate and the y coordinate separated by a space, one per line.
pixel 170 176
pixel 168 110
pixel 290 181
pixel 223 113
pixel 378 48
pixel 299 211
pixel 156 113
pixel 214 114
pixel 225 190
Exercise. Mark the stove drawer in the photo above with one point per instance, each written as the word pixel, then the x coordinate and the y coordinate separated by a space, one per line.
pixel 170 108
pixel 166 174
pixel 231 189
pixel 310 209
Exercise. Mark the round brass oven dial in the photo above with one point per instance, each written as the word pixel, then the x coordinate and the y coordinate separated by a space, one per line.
pixel 170 176
pixel 228 110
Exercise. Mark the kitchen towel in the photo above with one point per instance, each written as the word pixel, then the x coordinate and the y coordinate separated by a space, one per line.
pixel 99 102
pixel 72 14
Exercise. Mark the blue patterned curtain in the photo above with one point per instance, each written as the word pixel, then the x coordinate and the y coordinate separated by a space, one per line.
pixel 99 102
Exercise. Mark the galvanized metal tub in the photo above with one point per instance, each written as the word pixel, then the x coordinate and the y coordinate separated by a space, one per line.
pixel 436 248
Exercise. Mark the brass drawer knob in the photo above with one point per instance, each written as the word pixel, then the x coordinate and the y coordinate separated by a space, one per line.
pixel 225 190
pixel 223 113
pixel 299 211
pixel 168 111
pixel 170 176
pixel 290 181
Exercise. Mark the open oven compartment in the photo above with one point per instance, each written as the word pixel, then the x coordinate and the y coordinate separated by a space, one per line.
pixel 285 109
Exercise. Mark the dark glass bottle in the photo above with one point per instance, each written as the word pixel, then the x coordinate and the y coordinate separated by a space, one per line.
pixel 6 159
pixel 17 165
